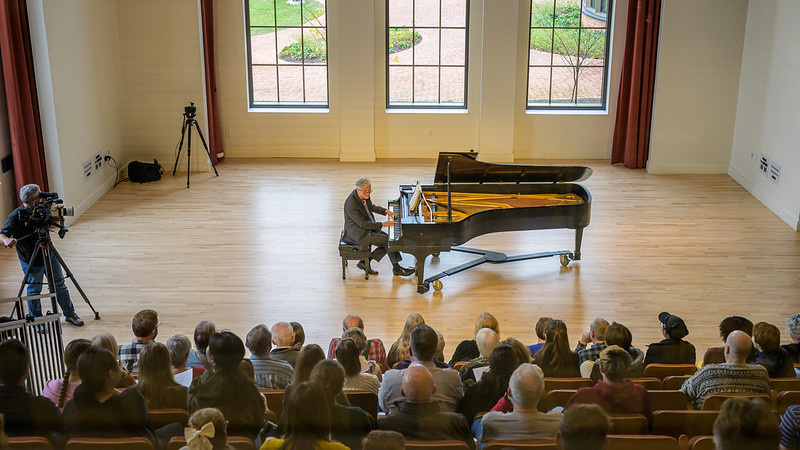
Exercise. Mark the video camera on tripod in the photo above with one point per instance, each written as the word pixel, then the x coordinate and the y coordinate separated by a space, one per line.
pixel 46 212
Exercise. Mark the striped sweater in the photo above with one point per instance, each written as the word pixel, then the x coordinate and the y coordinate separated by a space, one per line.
pixel 725 377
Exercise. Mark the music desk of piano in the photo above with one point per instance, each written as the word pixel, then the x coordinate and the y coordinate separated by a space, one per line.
pixel 470 198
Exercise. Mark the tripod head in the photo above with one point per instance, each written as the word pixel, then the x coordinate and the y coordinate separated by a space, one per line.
pixel 190 111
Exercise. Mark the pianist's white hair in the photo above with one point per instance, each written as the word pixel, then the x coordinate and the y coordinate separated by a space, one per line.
pixel 362 182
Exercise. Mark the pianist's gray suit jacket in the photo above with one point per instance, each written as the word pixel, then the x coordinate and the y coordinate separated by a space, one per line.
pixel 357 224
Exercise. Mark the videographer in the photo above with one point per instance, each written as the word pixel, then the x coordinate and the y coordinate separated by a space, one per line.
pixel 17 233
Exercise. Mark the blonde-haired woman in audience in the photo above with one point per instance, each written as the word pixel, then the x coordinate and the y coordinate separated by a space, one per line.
pixel 468 349
pixel 207 427
pixel 400 349
pixel 347 354
pixel 109 342
pixel 556 358
pixel 156 382
pixel 60 390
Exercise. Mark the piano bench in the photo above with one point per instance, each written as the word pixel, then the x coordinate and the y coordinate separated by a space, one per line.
pixel 351 252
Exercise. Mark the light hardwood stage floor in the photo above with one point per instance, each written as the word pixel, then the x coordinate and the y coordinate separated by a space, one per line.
pixel 259 245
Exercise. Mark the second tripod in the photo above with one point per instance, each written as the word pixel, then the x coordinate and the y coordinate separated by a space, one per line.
pixel 190 122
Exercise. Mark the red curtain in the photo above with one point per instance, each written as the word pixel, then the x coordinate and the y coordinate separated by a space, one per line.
pixel 27 147
pixel 635 102
pixel 212 110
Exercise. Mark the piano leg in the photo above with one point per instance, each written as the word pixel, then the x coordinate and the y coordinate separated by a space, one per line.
pixel 578 237
pixel 422 286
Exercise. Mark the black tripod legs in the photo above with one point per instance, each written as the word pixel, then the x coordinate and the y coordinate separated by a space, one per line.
pixel 186 132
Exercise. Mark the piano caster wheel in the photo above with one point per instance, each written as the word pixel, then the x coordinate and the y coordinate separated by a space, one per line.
pixel 564 259
pixel 435 255
pixel 437 285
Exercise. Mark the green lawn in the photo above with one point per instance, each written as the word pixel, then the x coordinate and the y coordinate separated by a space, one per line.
pixel 263 13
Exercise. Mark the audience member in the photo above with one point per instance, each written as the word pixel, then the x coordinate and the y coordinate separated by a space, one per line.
pixel 448 384
pixel 349 424
pixel 299 336
pixel 207 430
pixel 541 324
pixel 226 388
pixel 109 342
pixel 521 351
pixel 60 391
pixel 619 335
pixel 306 360
pixel 793 349
pixel 481 396
pixel 583 427
pixel 596 336
pixel 615 394
pixel 360 339
pixel 347 354
pixel 156 382
pixel 440 343
pixel 525 422
pixel 145 329
pixel 384 440
pixel 179 347
pixel 734 375
pixel 555 358
pixel 673 349
pixel 487 340
pixel 400 348
pixel 375 349
pixel 716 355
pixel 308 421
pixel 97 409
pixel 202 334
pixel 418 418
pixel 746 424
pixel 467 350
pixel 269 373
pixel 282 338
pixel 25 414
pixel 767 338
pixel 790 428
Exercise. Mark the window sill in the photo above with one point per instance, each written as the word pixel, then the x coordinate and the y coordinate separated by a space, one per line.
pixel 567 112
pixel 426 111
pixel 290 110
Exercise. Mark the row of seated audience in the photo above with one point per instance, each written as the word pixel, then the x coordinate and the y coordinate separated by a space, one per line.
pixel 423 397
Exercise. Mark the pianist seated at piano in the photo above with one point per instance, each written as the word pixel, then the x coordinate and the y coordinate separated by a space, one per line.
pixel 361 227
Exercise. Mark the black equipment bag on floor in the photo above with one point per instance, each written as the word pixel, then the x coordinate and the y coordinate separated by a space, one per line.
pixel 142 172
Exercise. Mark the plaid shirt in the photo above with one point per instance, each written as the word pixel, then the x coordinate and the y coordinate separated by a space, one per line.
pixel 376 351
pixel 591 353
pixel 129 354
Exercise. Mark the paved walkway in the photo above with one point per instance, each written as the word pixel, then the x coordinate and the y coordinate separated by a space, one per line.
pixel 426 81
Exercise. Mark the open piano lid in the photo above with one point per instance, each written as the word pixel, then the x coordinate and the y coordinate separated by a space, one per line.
pixel 465 168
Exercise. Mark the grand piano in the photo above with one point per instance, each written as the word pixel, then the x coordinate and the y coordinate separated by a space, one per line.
pixel 470 198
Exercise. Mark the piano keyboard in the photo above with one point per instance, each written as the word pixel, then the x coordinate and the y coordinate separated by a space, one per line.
pixel 396 231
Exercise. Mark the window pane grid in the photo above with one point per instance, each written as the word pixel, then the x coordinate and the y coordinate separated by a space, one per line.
pixel 412 84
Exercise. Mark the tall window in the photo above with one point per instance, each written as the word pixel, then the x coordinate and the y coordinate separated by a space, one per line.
pixel 287 53
pixel 568 54
pixel 426 53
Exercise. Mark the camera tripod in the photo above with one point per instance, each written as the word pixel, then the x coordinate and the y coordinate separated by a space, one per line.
pixel 190 122
pixel 44 245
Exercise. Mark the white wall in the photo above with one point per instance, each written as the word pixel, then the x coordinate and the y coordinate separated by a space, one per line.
pixel 76 58
pixel 697 81
pixel 769 107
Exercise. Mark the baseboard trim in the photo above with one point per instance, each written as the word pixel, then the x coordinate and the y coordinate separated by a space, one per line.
pixel 765 199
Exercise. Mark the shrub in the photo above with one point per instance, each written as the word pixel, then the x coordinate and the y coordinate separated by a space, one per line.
pixel 312 47
pixel 565 41
pixel 402 38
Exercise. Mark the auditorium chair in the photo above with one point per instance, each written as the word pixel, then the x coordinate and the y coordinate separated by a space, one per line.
pixel 787 399
pixel 29 443
pixel 559 397
pixel 702 443
pixel 366 400
pixel 350 251
pixel 551 384
pixel 158 418
pixel 541 444
pixel 439 445
pixel 673 382
pixel 784 384
pixel 662 371
pixel 674 400
pixel 129 443
pixel 646 441
pixel 649 383
pixel 236 442
pixel 691 423
pixel 628 424
pixel 274 400
pixel 715 401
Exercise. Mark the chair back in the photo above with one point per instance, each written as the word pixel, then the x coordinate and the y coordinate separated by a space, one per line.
pixel 702 443
pixel 641 441
pixel 649 383
pixel 674 382
pixel 551 384
pixel 29 443
pixel 784 384
pixel 559 397
pixel 158 418
pixel 439 445
pixel 715 401
pixel 662 371
pixel 274 400
pixel 672 400
pixel 628 424
pixel 366 400
pixel 787 399
pixel 130 443
pixel 691 423
pixel 541 444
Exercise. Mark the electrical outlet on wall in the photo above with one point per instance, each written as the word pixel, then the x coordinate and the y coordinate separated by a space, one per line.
pixel 763 165
pixel 774 172
pixel 97 160
pixel 88 169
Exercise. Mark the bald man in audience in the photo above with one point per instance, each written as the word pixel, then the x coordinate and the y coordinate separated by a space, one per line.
pixel 419 419
pixel 734 375
pixel 282 338
pixel 375 350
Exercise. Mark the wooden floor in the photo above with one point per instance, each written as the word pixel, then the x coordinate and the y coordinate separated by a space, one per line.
pixel 258 245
